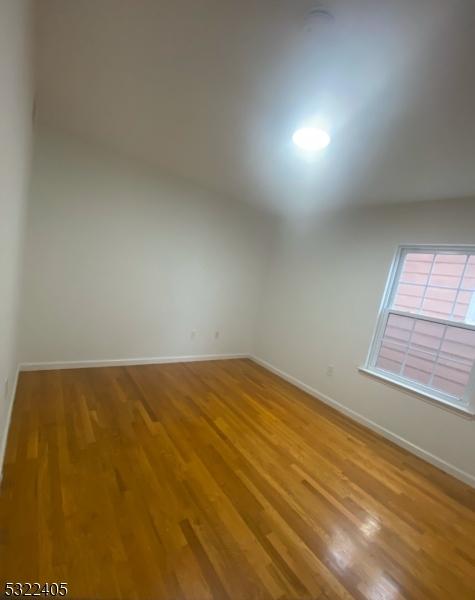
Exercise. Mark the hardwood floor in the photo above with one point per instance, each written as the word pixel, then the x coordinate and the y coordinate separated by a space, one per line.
pixel 220 480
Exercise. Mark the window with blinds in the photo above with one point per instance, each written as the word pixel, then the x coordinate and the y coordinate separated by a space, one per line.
pixel 425 337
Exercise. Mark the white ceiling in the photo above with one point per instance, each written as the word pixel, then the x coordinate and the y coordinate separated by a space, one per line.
pixel 212 90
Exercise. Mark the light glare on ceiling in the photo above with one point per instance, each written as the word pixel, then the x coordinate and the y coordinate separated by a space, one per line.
pixel 311 139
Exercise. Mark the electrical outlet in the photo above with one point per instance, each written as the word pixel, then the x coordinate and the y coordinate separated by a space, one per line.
pixel 330 370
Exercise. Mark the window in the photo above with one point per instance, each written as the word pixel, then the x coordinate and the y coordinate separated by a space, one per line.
pixel 425 336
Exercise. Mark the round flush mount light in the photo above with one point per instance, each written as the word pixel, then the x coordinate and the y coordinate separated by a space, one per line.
pixel 320 13
pixel 317 19
pixel 311 139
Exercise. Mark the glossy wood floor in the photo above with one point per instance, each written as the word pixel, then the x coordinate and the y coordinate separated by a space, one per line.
pixel 220 480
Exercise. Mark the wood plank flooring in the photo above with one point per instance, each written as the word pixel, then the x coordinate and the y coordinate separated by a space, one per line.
pixel 221 481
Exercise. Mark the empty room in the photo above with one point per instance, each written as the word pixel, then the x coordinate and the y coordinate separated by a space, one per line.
pixel 237 299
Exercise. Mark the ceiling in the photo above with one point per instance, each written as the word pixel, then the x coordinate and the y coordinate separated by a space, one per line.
pixel 212 90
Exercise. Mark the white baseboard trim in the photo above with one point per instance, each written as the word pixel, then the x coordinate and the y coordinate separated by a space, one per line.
pixel 123 362
pixel 4 438
pixel 393 437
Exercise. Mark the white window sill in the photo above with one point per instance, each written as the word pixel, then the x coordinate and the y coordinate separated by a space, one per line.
pixel 407 387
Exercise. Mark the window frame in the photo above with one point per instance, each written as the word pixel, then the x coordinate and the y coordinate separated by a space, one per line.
pixel 467 403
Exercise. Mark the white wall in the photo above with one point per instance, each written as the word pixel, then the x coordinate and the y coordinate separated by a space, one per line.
pixel 122 263
pixel 320 305
pixel 15 143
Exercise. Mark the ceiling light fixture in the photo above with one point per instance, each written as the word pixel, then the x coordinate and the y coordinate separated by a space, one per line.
pixel 311 139
pixel 318 18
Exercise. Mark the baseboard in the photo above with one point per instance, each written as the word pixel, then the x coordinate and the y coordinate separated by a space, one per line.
pixel 4 439
pixel 123 362
pixel 393 437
